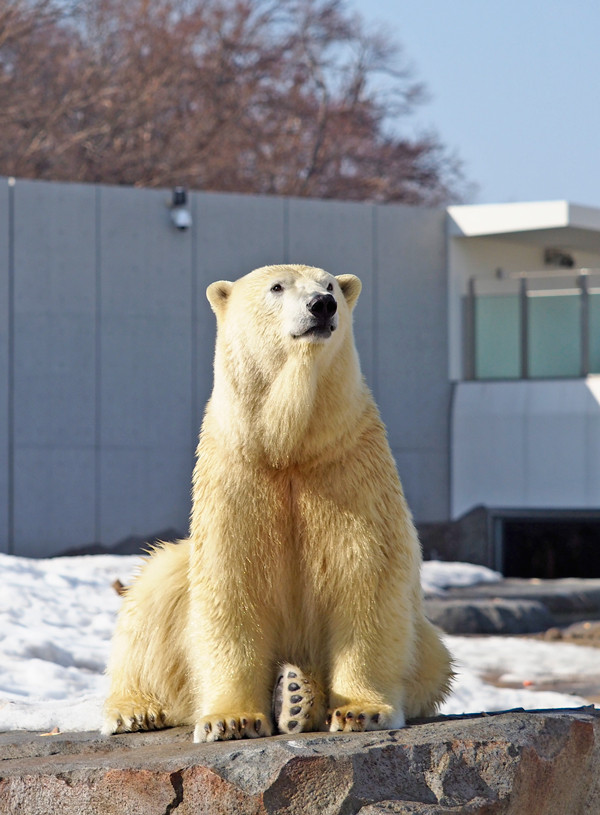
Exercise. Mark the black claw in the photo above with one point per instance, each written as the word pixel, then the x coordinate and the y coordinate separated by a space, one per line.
pixel 294 711
pixel 292 675
pixel 328 719
pixel 295 698
pixel 375 717
pixel 244 722
pixel 220 727
pixel 258 725
pixel 292 725
pixel 293 686
pixel 361 717
pixel 349 715
pixel 207 727
pixel 338 714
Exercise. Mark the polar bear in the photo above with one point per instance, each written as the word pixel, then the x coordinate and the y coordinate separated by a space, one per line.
pixel 296 603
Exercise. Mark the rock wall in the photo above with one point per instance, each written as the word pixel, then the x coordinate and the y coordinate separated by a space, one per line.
pixel 514 763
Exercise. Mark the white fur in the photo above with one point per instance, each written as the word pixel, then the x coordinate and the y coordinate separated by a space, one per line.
pixel 302 549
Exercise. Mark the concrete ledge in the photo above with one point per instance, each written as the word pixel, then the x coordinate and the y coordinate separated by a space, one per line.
pixel 539 763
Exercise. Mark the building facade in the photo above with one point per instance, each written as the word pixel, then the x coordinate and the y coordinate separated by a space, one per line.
pixel 524 334
pixel 478 330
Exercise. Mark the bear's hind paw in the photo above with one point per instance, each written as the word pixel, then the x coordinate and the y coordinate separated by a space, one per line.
pixel 217 727
pixel 298 704
pixel 361 717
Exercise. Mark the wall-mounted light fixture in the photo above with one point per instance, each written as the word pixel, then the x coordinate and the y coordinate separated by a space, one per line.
pixel 180 214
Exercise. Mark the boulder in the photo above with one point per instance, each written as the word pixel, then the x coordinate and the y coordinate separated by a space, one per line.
pixel 493 616
pixel 515 763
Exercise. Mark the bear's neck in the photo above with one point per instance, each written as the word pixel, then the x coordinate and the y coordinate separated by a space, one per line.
pixel 308 409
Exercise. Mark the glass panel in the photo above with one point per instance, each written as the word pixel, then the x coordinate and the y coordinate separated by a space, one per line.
pixel 497 331
pixel 554 335
pixel 595 333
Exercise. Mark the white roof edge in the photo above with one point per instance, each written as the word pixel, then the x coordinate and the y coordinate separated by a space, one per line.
pixel 584 217
pixel 496 219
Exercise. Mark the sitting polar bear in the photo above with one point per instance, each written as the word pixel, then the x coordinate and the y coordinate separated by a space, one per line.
pixel 296 603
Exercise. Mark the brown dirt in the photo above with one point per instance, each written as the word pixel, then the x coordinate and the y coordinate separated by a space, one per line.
pixel 585 633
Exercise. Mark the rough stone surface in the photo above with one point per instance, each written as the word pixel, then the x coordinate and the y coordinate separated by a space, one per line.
pixel 455 616
pixel 569 599
pixel 515 763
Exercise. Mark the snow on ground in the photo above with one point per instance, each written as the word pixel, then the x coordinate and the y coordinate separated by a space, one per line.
pixel 57 617
pixel 519 662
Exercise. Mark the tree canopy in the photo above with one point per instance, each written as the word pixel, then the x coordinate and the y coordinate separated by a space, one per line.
pixel 288 97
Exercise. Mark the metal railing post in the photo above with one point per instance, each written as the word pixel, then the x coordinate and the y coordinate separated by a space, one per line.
pixel 469 338
pixel 524 344
pixel 585 324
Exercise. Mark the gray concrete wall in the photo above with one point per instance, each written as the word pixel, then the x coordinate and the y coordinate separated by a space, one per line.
pixel 106 345
pixel 53 395
pixel 410 328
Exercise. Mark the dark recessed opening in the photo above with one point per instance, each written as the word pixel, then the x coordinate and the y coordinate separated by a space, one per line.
pixel 551 548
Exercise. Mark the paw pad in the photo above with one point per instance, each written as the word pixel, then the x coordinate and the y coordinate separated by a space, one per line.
pixel 294 699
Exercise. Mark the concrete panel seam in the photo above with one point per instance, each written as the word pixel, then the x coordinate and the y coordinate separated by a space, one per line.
pixel 11 367
pixel 98 365
pixel 194 255
pixel 374 302
pixel 286 230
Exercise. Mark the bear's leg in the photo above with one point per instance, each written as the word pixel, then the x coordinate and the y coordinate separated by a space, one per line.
pixel 149 685
pixel 238 576
pixel 429 684
pixel 369 655
pixel 233 667
pixel 358 706
pixel 235 698
pixel 298 701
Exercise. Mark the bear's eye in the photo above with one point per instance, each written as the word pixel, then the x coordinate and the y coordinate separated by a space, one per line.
pixel 277 287
pixel 330 287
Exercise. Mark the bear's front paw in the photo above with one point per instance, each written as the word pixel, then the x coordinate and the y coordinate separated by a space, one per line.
pixel 360 717
pixel 232 726
pixel 129 717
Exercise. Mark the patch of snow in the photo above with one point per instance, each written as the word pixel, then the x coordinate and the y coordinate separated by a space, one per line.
pixel 57 617
pixel 437 575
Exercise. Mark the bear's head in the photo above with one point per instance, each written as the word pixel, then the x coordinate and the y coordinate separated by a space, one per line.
pixel 289 306
pixel 285 362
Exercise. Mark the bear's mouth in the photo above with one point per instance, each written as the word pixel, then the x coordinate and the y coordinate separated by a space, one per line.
pixel 319 330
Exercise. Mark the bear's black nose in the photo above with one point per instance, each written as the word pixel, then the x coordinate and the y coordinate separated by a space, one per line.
pixel 322 305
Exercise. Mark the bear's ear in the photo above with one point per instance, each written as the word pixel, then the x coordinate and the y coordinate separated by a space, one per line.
pixel 218 295
pixel 350 286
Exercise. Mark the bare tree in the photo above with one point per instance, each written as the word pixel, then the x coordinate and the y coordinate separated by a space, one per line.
pixel 291 97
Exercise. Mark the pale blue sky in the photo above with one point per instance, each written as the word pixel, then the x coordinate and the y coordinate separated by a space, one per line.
pixel 514 88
